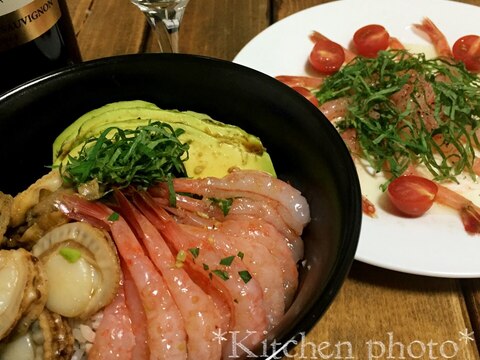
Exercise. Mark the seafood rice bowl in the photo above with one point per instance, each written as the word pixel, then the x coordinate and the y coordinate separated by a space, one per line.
pixel 168 206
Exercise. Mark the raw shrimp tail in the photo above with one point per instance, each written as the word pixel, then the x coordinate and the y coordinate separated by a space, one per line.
pixel 437 38
pixel 368 207
pixel 470 216
pixel 468 211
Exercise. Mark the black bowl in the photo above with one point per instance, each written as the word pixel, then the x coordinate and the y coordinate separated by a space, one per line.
pixel 305 148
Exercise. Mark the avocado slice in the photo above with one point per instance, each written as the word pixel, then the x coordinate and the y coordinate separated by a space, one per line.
pixel 215 147
pixel 74 129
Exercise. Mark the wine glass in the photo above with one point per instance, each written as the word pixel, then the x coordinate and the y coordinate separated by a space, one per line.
pixel 165 17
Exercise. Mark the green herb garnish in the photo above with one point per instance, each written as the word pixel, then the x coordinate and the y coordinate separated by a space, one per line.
pixel 195 252
pixel 240 255
pixel 245 276
pixel 223 204
pixel 70 254
pixel 222 274
pixel 113 216
pixel 119 157
pixel 442 111
pixel 227 261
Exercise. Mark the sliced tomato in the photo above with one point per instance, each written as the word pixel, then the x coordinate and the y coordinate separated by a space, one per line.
pixel 327 57
pixel 307 94
pixel 412 195
pixel 467 49
pixel 370 39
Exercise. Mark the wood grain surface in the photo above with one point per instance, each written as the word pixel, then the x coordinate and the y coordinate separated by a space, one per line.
pixel 378 314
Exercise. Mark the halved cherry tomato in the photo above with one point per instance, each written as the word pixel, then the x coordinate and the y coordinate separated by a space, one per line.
pixel 307 94
pixel 412 195
pixel 370 39
pixel 327 56
pixel 467 49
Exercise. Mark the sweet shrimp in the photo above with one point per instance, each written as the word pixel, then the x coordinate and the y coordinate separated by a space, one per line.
pixel 264 267
pixel 245 297
pixel 205 212
pixel 198 311
pixel 247 223
pixel 292 206
pixel 166 330
pixel 114 339
pixel 138 318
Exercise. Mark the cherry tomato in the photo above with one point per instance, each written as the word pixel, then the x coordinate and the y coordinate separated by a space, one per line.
pixel 327 56
pixel 467 49
pixel 307 94
pixel 412 195
pixel 370 39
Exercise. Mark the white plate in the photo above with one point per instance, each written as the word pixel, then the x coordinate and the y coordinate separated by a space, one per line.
pixel 435 244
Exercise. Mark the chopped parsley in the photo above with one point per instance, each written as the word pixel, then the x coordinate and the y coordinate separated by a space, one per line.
pixel 222 274
pixel 113 216
pixel 245 276
pixel 223 204
pixel 227 261
pixel 195 252
pixel 70 254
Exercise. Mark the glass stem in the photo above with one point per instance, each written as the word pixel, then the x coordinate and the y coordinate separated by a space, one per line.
pixel 166 24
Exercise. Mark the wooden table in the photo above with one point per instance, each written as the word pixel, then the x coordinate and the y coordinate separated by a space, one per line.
pixel 378 313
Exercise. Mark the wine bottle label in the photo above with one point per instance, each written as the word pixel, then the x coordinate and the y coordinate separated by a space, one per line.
pixel 22 21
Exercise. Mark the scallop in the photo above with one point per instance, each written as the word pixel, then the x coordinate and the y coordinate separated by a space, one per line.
pixel 34 211
pixel 50 337
pixel 23 291
pixel 25 200
pixel 40 219
pixel 82 268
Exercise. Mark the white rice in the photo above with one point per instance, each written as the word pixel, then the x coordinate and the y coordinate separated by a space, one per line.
pixel 84 335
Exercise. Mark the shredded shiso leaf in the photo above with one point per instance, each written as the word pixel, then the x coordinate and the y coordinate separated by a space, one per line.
pixel 391 139
pixel 122 157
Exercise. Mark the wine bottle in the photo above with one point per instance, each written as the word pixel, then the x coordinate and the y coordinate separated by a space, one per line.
pixel 36 37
